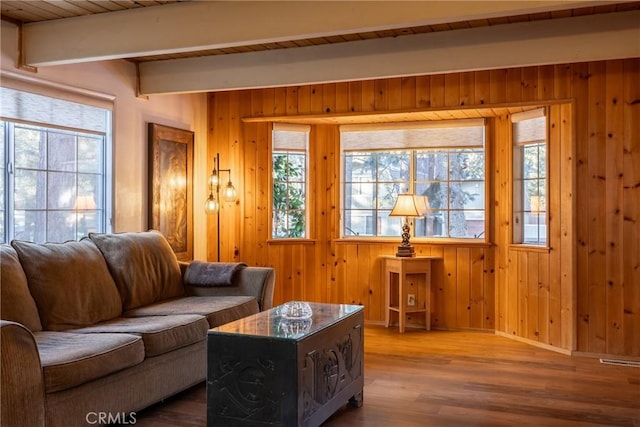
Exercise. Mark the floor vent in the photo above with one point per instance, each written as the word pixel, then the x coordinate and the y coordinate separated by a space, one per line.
pixel 620 362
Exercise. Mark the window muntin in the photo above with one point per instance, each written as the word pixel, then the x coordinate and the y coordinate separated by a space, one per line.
pixel 530 178
pixel 289 181
pixel 444 161
pixel 372 181
pixel 54 182
pixel 453 181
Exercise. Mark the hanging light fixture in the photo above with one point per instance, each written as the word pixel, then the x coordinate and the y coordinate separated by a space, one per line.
pixel 212 204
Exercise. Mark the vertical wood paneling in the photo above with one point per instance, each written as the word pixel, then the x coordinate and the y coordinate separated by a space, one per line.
pixel 543 297
pixel 452 89
pixel 502 218
pixel 580 91
pixel 522 293
pixel 533 298
pixel 482 87
pixel 263 201
pixel 498 86
pixel 304 99
pixel 596 266
pixel 590 275
pixel 477 289
pixel 613 205
pixel 437 287
pixel 234 157
pixel 463 284
pixel 489 290
pixel 316 99
pixel 436 89
pixel 631 205
pixel 249 208
pixel 355 96
pixel 423 90
pixel 467 89
pixel 567 241
pixel 554 199
pixel 450 292
pixel 394 94
pixel 408 93
pixel 529 83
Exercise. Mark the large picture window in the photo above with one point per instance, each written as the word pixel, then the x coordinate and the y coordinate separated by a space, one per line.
pixel 54 184
pixel 444 161
pixel 289 174
pixel 530 177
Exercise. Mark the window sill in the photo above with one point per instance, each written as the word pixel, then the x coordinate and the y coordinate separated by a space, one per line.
pixel 291 242
pixel 415 241
pixel 522 247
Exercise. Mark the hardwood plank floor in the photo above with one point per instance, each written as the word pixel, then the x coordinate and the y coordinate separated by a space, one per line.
pixel 443 378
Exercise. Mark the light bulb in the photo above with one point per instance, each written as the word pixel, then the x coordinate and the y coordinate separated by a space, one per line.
pixel 211 206
pixel 213 179
pixel 230 193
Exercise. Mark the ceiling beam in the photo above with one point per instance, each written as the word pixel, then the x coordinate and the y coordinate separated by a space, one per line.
pixel 557 41
pixel 203 25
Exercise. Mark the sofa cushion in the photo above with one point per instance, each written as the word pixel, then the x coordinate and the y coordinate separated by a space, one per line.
pixel 217 310
pixel 70 359
pixel 160 334
pixel 16 302
pixel 143 266
pixel 70 283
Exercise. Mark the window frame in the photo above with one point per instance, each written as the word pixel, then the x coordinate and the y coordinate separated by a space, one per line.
pixel 483 237
pixel 51 123
pixel 518 210
pixel 274 148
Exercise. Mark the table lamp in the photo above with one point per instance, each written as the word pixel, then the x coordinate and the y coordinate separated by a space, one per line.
pixel 408 205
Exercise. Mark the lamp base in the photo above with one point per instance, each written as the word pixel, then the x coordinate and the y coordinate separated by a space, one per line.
pixel 405 251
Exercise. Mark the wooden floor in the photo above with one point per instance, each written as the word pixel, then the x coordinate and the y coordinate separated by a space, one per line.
pixel 441 378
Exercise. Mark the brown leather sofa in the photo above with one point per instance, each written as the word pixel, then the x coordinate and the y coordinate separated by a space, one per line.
pixel 95 330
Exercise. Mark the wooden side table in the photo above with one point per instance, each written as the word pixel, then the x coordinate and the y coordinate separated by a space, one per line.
pixel 404 293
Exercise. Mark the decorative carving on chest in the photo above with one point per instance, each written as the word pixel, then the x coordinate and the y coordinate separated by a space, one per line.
pixel 327 371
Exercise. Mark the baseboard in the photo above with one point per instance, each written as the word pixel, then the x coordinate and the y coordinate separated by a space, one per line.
pixel 607 356
pixel 535 343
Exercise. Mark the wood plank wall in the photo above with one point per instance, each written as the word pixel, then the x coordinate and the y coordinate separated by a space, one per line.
pixel 582 294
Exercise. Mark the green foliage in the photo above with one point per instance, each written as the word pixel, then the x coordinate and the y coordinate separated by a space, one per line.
pixel 288 195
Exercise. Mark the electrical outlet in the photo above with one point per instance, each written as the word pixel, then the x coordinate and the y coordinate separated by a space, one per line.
pixel 411 300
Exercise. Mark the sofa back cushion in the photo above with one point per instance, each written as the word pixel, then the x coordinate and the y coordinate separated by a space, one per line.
pixel 143 265
pixel 16 302
pixel 70 283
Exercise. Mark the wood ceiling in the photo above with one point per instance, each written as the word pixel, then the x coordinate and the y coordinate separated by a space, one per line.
pixel 30 11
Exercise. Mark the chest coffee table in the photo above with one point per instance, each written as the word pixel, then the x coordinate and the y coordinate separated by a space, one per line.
pixel 267 369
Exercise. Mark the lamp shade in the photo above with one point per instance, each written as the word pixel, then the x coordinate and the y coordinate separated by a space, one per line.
pixel 408 205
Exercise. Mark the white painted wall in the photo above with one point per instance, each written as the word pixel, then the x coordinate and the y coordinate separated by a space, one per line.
pixel 131 115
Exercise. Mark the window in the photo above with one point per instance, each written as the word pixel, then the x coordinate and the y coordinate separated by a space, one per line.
pixel 444 161
pixel 530 177
pixel 289 171
pixel 54 182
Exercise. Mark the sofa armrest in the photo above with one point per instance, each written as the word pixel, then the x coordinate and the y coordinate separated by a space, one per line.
pixel 258 282
pixel 21 378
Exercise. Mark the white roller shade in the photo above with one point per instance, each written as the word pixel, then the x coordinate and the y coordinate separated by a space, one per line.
pixel 413 135
pixel 290 137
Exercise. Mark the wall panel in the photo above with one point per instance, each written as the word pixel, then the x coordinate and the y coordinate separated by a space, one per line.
pixel 583 293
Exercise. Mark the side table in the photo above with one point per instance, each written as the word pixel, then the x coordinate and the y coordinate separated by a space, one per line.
pixel 403 277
